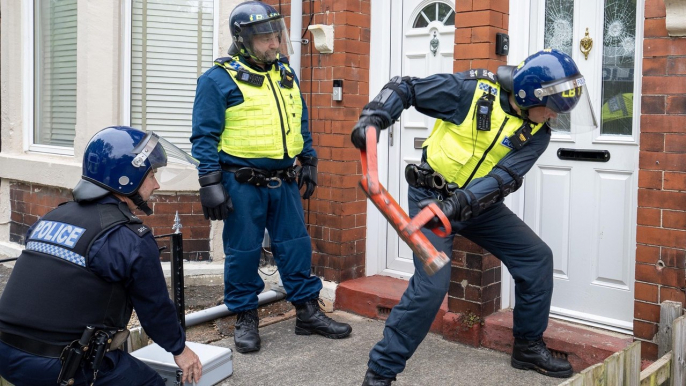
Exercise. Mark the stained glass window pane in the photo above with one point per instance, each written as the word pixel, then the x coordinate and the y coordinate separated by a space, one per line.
pixel 619 44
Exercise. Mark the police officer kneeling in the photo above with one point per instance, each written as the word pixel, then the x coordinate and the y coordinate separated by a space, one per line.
pixel 87 264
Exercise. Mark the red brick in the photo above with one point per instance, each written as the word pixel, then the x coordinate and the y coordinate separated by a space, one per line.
pixel 654 66
pixel 463 35
pixel 662 237
pixel 675 104
pixel 674 220
pixel 675 258
pixel 663 123
pixel 653 105
pixel 474 51
pixel 502 6
pixel 664 47
pixel 664 85
pixel 648 351
pixel 647 292
pixel 650 217
pixel 484 34
pixel 661 199
pixel 655 274
pixel 675 66
pixel 675 143
pixel 478 18
pixel 350 73
pixel 653 142
pixel 647 254
pixel 673 294
pixel 348 6
pixel 650 179
pixel 662 161
pixel 655 9
pixel 654 28
pixel 463 6
pixel 675 181
pixel 645 330
pixel 646 311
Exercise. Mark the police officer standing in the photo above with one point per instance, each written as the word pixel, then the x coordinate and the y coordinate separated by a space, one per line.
pixel 249 126
pixel 86 265
pixel 490 130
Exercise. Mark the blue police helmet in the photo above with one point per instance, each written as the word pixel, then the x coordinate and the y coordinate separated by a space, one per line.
pixel 118 158
pixel 547 78
pixel 254 18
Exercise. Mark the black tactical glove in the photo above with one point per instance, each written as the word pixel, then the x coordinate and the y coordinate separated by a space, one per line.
pixel 216 202
pixel 454 207
pixel 307 175
pixel 380 119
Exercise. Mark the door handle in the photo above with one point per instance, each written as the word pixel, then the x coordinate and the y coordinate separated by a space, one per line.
pixel 583 155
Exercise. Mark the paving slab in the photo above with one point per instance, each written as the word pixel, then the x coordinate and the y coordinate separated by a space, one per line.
pixel 288 359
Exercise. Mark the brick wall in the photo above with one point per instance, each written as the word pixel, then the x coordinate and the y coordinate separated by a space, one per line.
pixel 475 280
pixel 476 23
pixel 661 231
pixel 336 214
pixel 28 202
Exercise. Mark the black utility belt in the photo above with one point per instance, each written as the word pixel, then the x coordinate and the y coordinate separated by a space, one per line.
pixel 424 176
pixel 32 346
pixel 259 177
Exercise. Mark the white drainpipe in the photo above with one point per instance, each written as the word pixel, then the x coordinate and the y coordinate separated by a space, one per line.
pixel 296 33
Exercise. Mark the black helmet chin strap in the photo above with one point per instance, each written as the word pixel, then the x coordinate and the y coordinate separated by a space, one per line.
pixel 140 203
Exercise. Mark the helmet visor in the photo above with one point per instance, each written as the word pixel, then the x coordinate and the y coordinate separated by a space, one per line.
pixel 569 99
pixel 267 40
pixel 157 150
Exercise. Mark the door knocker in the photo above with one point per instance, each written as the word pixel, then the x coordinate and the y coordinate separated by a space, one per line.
pixel 586 44
pixel 434 44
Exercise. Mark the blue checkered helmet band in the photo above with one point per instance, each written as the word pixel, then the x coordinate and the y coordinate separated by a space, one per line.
pixel 56 251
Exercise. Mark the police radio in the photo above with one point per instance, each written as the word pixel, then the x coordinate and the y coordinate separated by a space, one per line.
pixel 484 107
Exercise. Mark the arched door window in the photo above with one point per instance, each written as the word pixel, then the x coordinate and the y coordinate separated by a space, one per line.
pixel 437 11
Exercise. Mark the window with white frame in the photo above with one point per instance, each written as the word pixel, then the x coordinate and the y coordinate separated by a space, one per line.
pixel 171 46
pixel 54 73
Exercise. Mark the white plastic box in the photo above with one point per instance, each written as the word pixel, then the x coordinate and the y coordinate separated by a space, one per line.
pixel 217 362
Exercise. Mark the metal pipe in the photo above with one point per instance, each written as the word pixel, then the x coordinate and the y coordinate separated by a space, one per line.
pixel 220 311
pixel 296 35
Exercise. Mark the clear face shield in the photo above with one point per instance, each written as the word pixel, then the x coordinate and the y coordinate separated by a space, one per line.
pixel 266 41
pixel 571 101
pixel 158 150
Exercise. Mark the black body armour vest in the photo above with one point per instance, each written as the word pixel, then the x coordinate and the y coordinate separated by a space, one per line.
pixel 51 294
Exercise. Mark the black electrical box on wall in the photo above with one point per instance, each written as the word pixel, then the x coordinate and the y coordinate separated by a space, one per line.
pixel 502 44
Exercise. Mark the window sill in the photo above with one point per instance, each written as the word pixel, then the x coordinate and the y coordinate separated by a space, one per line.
pixel 64 172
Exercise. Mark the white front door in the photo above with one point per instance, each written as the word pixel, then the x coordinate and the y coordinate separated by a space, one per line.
pixel 580 197
pixel 426 34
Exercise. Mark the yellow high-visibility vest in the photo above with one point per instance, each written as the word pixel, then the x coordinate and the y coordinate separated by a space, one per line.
pixel 268 122
pixel 462 153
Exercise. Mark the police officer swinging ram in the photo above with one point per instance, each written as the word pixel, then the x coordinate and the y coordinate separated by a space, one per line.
pixel 490 130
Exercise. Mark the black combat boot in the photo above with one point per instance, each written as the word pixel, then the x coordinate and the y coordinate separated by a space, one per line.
pixel 535 355
pixel 246 336
pixel 310 319
pixel 373 379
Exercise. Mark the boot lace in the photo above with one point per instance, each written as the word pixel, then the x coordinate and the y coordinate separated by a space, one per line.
pixel 553 353
pixel 248 318
pixel 319 305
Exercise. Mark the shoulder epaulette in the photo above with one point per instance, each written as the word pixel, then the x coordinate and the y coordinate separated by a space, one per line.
pixel 138 229
pixel 223 60
pixel 480 74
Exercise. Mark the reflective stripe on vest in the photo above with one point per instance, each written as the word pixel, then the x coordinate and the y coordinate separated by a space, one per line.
pixel 462 153
pixel 268 122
